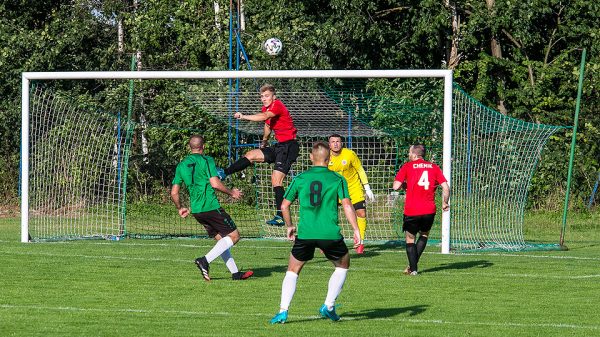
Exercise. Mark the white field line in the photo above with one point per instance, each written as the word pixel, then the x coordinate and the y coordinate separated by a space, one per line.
pixel 314 266
pixel 559 257
pixel 542 276
pixel 299 317
pixel 99 257
pixel 289 247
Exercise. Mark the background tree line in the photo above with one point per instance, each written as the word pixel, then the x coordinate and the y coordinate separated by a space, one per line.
pixel 519 57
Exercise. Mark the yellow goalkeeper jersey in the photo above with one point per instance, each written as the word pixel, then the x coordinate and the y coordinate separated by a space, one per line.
pixel 348 165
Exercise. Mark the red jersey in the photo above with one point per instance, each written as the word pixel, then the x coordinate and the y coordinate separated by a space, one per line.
pixel 422 178
pixel 281 124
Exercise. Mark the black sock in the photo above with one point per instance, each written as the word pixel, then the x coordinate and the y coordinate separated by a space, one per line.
pixel 421 243
pixel 411 253
pixel 239 165
pixel 279 192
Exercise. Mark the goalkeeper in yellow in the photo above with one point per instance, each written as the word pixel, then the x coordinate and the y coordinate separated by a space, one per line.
pixel 345 162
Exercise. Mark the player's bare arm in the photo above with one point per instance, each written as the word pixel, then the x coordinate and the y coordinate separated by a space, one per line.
pixel 259 117
pixel 445 196
pixel 285 212
pixel 218 185
pixel 266 135
pixel 399 185
pixel 351 216
pixel 183 212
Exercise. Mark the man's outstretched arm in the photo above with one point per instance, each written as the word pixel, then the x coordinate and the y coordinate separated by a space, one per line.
pixel 218 185
pixel 351 216
pixel 259 117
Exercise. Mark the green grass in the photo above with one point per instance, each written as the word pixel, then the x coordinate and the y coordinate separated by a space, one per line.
pixel 152 288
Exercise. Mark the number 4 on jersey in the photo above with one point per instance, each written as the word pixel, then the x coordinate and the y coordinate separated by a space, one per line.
pixel 424 180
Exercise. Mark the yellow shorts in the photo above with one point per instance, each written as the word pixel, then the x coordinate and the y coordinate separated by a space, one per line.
pixel 357 193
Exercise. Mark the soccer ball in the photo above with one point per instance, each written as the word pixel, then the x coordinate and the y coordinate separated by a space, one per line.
pixel 273 46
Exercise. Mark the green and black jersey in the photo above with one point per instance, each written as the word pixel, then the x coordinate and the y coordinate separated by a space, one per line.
pixel 318 191
pixel 195 172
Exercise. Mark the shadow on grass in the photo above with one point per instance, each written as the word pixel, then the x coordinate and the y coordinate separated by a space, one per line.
pixel 581 245
pixel 368 253
pixel 378 313
pixel 459 265
pixel 394 244
pixel 268 271
pixel 384 312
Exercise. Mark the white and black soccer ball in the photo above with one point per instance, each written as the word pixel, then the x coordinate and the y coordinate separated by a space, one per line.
pixel 273 46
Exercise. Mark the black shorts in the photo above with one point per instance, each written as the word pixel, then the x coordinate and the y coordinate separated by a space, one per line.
pixel 282 154
pixel 304 250
pixel 216 222
pixel 360 205
pixel 419 223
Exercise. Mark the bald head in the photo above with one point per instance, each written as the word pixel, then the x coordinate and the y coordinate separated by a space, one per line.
pixel 196 143
pixel 417 151
pixel 320 154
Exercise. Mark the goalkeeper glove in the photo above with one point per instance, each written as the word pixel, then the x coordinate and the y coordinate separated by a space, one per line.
pixel 369 193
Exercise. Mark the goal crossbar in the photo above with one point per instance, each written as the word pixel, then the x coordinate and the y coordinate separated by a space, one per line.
pixel 27 77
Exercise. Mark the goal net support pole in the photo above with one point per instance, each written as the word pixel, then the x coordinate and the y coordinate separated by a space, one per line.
pixel 27 77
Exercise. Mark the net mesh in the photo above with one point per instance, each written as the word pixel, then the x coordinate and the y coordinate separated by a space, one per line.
pixel 77 158
pixel 494 157
pixel 80 157
pixel 319 110
pixel 150 212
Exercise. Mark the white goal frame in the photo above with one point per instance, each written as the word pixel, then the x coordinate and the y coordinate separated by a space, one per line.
pixel 27 77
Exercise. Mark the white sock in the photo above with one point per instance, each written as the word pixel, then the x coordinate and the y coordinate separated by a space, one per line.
pixel 220 247
pixel 288 288
pixel 336 282
pixel 229 261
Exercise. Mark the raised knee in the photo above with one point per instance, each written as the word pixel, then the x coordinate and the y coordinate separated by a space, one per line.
pixel 253 155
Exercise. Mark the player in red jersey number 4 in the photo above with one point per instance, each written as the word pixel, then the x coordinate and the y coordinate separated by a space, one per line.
pixel 420 178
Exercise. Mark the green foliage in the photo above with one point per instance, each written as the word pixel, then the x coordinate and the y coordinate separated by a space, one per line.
pixel 535 79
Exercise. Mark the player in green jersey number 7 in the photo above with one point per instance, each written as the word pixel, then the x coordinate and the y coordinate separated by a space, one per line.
pixel 199 174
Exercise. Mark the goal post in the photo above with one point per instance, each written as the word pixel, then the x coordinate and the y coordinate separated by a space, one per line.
pixel 25 158
pixel 27 77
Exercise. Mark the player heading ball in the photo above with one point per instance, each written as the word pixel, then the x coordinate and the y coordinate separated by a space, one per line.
pixel 283 154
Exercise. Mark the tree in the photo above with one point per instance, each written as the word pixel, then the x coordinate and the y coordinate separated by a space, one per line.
pixel 519 56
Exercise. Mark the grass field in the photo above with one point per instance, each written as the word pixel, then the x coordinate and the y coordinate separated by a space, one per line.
pixel 152 288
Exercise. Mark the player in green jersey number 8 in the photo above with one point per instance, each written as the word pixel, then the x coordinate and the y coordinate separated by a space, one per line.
pixel 317 190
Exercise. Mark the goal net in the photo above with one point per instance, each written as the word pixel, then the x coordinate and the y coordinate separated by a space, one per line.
pixel 91 173
pixel 77 159
pixel 493 160
pixel 350 108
